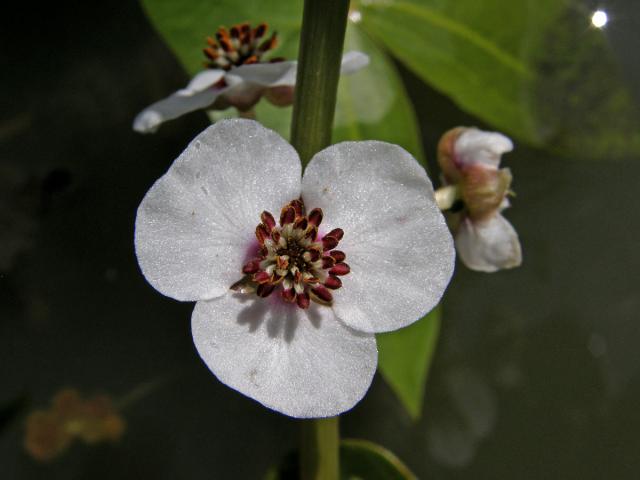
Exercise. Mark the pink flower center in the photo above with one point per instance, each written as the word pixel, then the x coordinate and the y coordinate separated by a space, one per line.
pixel 292 259
pixel 240 45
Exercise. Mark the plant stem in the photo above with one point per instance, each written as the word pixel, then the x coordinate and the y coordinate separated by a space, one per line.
pixel 319 447
pixel 324 23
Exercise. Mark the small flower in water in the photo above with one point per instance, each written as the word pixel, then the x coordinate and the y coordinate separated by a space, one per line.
pixel 287 309
pixel 50 432
pixel 236 76
pixel 476 194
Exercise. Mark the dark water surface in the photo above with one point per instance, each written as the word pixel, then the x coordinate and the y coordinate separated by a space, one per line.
pixel 537 374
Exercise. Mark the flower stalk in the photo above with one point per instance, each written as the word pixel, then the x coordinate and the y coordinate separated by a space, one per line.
pixel 319 447
pixel 323 28
pixel 324 25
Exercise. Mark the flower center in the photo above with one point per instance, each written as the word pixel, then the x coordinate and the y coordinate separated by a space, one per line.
pixel 293 259
pixel 240 45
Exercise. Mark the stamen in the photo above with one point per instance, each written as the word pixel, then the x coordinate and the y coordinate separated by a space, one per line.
pixel 265 290
pixel 315 217
pixel 322 294
pixel 340 269
pixel 337 233
pixel 287 216
pixel 290 256
pixel 329 242
pixel 261 233
pixel 240 45
pixel 333 282
pixel 251 267
pixel 303 300
pixel 268 220
pixel 338 256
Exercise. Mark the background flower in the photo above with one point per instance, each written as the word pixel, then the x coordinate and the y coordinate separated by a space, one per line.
pixel 470 160
pixel 240 87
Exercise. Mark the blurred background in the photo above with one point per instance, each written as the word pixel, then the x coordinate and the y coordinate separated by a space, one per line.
pixel 536 372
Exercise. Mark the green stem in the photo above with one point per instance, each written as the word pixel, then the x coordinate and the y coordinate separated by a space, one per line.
pixel 324 23
pixel 320 442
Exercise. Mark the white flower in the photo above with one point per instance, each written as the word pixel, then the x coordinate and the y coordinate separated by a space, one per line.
pixel 469 159
pixel 280 316
pixel 236 77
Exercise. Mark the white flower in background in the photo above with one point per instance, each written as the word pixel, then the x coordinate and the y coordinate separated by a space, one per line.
pixel 477 195
pixel 236 76
pixel 280 316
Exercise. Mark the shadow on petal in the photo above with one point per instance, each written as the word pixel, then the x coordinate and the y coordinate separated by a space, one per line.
pixel 253 314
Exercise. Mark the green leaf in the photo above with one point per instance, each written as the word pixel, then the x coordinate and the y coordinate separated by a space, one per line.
pixel 404 359
pixel 359 460
pixel 530 68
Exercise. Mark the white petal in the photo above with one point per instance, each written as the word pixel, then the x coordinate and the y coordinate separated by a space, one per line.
pixel 196 225
pixel 396 241
pixel 488 246
pixel 204 80
pixel 353 61
pixel 301 363
pixel 266 74
pixel 477 146
pixel 174 106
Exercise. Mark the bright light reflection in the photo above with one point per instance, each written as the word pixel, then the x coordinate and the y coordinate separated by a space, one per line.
pixel 355 16
pixel 599 18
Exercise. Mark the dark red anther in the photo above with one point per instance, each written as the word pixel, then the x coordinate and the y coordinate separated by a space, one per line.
pixel 251 266
pixel 312 232
pixel 211 53
pixel 329 242
pixel 235 31
pixel 225 43
pixel 301 223
pixel 328 262
pixel 288 295
pixel 222 33
pixel 315 254
pixel 298 206
pixel 261 233
pixel 250 60
pixel 269 44
pixel 303 300
pixel 333 282
pixel 340 269
pixel 261 277
pixel 337 233
pixel 268 220
pixel 338 255
pixel 288 215
pixel 260 30
pixel 322 293
pixel 265 289
pixel 315 217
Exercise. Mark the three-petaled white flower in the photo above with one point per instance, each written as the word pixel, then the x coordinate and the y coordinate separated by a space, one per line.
pixel 236 77
pixel 478 191
pixel 280 315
